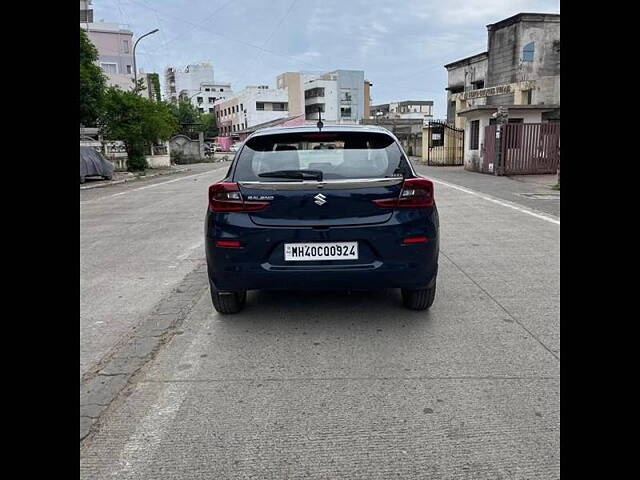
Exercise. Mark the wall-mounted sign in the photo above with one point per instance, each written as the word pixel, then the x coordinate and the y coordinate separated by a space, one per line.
pixel 487 92
pixel 493 91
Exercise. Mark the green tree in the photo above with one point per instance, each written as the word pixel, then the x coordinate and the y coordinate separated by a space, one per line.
pixel 136 121
pixel 185 112
pixel 92 82
pixel 209 126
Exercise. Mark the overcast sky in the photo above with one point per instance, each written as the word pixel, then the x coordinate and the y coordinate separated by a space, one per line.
pixel 401 45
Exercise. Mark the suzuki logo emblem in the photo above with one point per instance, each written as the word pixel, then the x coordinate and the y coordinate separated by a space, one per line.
pixel 320 199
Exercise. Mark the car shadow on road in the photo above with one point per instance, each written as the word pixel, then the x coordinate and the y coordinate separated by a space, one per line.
pixel 328 306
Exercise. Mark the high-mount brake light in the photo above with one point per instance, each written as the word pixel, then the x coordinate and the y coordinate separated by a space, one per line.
pixel 226 197
pixel 415 193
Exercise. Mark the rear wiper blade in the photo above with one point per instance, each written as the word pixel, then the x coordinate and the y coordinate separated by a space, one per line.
pixel 297 174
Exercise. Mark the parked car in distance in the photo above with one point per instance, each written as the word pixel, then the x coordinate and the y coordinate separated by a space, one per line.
pixel 290 215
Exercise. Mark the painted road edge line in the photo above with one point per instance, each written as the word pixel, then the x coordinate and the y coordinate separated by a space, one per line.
pixel 504 203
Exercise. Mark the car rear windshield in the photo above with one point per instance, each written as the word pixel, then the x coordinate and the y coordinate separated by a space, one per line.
pixel 338 155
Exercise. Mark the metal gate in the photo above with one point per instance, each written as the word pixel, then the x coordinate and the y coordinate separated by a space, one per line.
pixel 527 148
pixel 445 144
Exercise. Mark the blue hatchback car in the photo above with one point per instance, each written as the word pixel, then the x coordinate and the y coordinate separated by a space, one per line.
pixel 334 208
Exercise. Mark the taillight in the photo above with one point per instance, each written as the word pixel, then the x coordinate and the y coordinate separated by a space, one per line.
pixel 415 193
pixel 228 243
pixel 226 197
pixel 421 239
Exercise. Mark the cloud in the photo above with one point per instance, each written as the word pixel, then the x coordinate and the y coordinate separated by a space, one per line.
pixel 402 46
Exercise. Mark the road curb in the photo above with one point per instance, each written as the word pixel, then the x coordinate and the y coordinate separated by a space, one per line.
pixel 112 375
pixel 134 179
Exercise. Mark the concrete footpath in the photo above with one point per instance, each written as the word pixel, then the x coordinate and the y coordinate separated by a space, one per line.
pixel 531 191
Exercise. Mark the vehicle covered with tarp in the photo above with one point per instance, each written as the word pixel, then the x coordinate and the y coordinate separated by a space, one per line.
pixel 93 164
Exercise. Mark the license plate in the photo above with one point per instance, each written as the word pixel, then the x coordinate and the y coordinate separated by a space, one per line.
pixel 320 251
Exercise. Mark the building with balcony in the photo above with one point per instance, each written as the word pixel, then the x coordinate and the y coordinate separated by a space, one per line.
pixel 516 79
pixel 252 106
pixel 415 109
pixel 341 95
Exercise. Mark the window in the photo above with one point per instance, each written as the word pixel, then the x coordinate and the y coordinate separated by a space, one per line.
pixel 314 92
pixel 241 107
pixel 125 46
pixel 345 95
pixel 339 155
pixel 527 52
pixel 529 96
pixel 199 99
pixel 128 68
pixel 211 110
pixel 207 89
pixel 109 67
pixel 222 89
pixel 201 110
pixel 279 107
pixel 259 105
pixel 475 135
pixel 345 112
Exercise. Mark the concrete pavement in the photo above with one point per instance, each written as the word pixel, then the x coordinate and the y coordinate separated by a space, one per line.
pixel 531 191
pixel 137 241
pixel 332 385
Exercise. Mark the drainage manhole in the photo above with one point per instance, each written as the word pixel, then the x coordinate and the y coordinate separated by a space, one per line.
pixel 541 196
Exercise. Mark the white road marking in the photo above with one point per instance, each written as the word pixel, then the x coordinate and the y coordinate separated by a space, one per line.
pixel 541 216
pixel 216 170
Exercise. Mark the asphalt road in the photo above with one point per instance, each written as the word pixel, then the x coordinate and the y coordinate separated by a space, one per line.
pixel 325 384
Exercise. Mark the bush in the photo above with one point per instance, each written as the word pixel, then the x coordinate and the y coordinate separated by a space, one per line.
pixel 136 162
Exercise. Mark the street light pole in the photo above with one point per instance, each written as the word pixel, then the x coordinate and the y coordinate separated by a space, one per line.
pixel 135 69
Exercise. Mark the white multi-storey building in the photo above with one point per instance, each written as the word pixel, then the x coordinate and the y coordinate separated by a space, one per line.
pixel 341 95
pixel 196 84
pixel 252 106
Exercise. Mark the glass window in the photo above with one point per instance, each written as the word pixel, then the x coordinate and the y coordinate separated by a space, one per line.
pixel 125 46
pixel 345 112
pixel 259 105
pixel 338 155
pixel 527 52
pixel 109 67
pixel 199 99
pixel 128 68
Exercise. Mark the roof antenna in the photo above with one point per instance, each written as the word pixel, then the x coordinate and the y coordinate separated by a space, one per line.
pixel 320 124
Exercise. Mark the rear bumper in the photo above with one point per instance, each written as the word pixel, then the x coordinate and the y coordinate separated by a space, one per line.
pixel 384 261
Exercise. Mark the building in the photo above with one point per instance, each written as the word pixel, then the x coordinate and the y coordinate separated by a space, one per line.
pixel 114 43
pixel 422 109
pixel 292 120
pixel 466 74
pixel 196 84
pixel 343 96
pixel 252 106
pixel 519 73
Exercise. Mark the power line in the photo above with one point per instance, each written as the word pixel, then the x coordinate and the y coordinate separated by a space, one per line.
pixel 279 23
pixel 228 38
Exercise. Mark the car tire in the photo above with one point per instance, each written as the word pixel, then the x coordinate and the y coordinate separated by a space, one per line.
pixel 418 299
pixel 228 302
pixel 110 177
